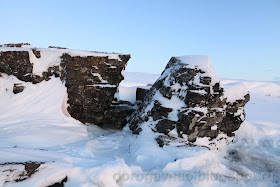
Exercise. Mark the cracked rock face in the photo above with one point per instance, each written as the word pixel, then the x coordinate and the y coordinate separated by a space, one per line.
pixel 91 78
pixel 91 85
pixel 189 99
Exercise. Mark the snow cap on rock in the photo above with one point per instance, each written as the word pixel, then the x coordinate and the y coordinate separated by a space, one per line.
pixel 202 62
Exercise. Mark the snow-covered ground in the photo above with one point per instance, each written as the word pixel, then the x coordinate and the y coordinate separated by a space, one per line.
pixel 34 126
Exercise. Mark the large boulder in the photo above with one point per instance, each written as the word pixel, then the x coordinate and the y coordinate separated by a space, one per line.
pixel 92 82
pixel 91 78
pixel 189 100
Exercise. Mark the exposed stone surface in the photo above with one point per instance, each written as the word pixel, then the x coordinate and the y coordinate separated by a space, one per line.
pixel 116 115
pixel 18 88
pixel 165 126
pixel 14 174
pixel 186 98
pixel 36 53
pixel 91 81
pixel 191 100
pixel 141 93
pixel 91 85
pixel 18 63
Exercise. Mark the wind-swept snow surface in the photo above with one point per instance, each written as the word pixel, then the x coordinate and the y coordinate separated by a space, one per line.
pixel 35 126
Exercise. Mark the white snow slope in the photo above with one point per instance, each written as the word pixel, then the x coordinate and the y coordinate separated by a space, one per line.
pixel 34 126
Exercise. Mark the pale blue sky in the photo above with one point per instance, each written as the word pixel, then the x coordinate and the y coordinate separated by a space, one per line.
pixel 242 37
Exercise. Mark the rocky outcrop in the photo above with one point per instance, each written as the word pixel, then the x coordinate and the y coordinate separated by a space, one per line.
pixel 141 93
pixel 91 78
pixel 18 63
pixel 18 88
pixel 91 85
pixel 189 99
pixel 115 116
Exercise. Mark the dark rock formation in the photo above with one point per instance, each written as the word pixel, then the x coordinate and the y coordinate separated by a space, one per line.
pixel 18 88
pixel 141 93
pixel 14 174
pixel 91 85
pixel 189 98
pixel 165 126
pixel 36 53
pixel 18 63
pixel 91 81
pixel 116 115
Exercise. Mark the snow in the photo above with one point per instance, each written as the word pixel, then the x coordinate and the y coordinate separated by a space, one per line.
pixel 174 103
pixel 235 91
pixel 28 112
pixel 215 127
pixel 35 126
pixel 131 81
pixel 202 62
pixel 49 58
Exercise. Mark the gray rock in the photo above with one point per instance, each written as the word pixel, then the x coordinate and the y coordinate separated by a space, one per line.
pixel 115 116
pixel 141 93
pixel 204 111
pixel 18 88
pixel 165 126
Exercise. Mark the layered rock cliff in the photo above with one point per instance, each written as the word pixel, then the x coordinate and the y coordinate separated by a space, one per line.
pixel 91 78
